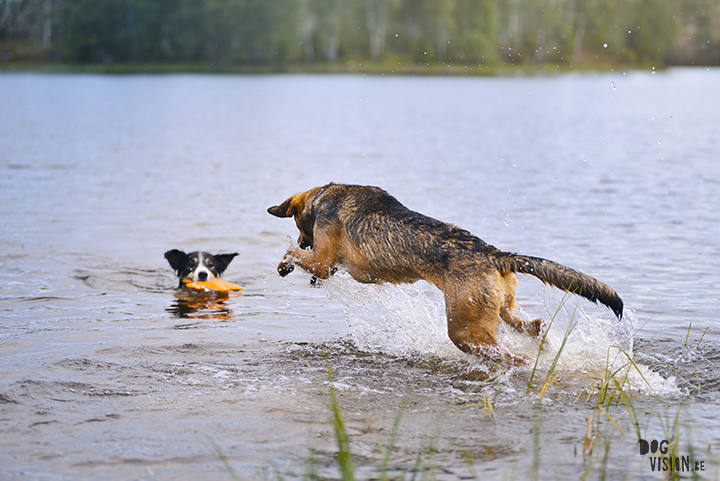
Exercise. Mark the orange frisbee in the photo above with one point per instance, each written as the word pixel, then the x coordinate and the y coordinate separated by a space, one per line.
pixel 216 285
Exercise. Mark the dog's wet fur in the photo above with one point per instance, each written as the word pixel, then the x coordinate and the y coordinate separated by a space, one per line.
pixel 377 239
pixel 198 266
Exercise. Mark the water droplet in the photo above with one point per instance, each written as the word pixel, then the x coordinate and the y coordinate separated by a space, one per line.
pixel 605 45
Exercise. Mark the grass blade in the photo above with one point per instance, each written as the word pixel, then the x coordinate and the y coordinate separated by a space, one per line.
pixel 344 456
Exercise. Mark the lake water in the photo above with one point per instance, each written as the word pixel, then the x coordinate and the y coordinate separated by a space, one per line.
pixel 105 374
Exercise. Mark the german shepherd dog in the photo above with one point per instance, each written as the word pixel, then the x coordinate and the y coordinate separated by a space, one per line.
pixel 377 239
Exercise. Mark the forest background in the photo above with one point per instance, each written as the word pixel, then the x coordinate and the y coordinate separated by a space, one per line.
pixel 387 34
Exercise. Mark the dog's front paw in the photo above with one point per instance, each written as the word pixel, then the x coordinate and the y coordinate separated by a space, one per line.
pixel 287 264
pixel 285 268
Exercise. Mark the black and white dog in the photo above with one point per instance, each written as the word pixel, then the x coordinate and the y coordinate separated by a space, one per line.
pixel 198 266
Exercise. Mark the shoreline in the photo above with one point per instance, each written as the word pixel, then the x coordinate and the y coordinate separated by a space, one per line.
pixel 351 67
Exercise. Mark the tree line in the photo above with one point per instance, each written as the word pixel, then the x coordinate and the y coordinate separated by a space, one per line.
pixel 277 32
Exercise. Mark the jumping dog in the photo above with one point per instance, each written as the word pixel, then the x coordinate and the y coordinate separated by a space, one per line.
pixel 377 239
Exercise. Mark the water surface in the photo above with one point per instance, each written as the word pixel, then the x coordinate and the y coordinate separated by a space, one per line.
pixel 106 374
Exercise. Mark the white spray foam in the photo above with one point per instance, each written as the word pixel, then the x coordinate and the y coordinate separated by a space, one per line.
pixel 395 319
pixel 408 319
pixel 593 344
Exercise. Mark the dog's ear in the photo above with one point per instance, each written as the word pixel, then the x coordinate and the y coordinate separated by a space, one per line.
pixel 224 260
pixel 286 209
pixel 176 258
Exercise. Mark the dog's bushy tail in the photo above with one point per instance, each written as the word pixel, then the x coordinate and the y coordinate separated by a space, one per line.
pixel 561 277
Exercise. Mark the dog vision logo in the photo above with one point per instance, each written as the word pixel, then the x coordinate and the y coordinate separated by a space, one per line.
pixel 661 462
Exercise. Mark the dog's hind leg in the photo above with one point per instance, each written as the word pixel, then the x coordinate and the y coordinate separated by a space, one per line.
pixel 509 306
pixel 472 317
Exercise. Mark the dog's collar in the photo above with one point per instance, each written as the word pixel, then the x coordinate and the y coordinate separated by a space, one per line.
pixel 312 205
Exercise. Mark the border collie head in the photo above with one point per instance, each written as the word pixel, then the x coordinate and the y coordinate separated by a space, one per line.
pixel 198 266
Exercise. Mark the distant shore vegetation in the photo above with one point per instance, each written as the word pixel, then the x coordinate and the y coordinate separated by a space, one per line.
pixel 432 36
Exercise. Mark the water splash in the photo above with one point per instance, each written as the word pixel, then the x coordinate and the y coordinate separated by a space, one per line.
pixel 409 319
pixel 400 320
